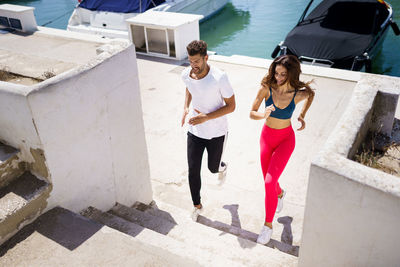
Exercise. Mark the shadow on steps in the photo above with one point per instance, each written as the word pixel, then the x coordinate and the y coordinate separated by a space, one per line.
pixel 60 225
pixel 285 245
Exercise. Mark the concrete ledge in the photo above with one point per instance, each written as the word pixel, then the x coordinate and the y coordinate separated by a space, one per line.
pixel 352 129
pixel 33 54
pixel 352 211
pixel 306 69
pixel 78 36
pixel 15 89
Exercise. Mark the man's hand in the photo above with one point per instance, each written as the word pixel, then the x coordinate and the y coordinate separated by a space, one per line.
pixel 185 112
pixel 200 118
pixel 303 123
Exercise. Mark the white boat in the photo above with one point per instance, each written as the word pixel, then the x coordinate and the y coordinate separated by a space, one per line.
pixel 107 17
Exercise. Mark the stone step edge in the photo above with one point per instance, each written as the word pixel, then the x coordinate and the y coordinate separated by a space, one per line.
pixel 38 198
pixel 207 238
pixel 178 215
pixel 159 208
pixel 7 152
pixel 11 165
pixel 155 239
pixel 71 239
pixel 220 210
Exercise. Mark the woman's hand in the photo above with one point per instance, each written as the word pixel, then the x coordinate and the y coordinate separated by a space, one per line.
pixel 303 123
pixel 268 110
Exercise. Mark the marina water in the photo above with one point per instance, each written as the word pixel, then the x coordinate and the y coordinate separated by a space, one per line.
pixel 244 27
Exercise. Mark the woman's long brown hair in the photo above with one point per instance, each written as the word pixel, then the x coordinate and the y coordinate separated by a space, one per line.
pixel 292 65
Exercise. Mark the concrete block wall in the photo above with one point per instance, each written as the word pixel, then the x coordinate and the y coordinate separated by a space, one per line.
pixel 87 125
pixel 352 211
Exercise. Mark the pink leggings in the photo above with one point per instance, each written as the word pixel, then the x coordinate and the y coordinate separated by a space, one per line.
pixel 276 146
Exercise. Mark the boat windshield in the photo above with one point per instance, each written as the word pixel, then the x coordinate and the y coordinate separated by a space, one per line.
pixel 361 17
pixel 314 3
pixel 120 6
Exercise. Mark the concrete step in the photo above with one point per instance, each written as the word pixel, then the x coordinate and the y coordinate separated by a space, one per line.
pixel 235 248
pixel 152 238
pixel 21 202
pixel 11 165
pixel 6 152
pixel 178 216
pixel 60 237
pixel 229 206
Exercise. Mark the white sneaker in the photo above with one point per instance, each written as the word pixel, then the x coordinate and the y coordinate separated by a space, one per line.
pixel 222 174
pixel 265 235
pixel 280 202
pixel 195 213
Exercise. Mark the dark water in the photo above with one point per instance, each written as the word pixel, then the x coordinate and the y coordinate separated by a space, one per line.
pixel 243 27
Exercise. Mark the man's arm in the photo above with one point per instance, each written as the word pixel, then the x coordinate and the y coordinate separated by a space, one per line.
pixel 229 107
pixel 188 100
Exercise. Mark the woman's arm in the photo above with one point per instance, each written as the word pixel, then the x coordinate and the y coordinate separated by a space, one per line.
pixel 261 95
pixel 309 97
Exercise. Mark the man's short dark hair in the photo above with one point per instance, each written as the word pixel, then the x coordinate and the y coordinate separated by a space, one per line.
pixel 197 47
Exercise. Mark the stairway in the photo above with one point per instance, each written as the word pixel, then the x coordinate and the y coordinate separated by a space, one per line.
pixel 60 237
pixel 22 195
pixel 141 235
pixel 206 245
pixel 160 234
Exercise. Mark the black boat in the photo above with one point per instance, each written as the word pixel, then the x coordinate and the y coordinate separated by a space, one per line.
pixel 344 34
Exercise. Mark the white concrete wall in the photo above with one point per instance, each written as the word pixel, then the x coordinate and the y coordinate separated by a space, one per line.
pixel 352 211
pixel 348 223
pixel 90 125
pixel 16 123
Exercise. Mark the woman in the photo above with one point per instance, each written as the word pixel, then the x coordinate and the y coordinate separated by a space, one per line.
pixel 281 90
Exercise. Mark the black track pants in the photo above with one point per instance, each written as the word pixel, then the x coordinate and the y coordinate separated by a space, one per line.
pixel 195 150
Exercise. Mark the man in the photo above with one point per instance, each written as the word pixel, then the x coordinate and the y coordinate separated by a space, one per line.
pixel 212 97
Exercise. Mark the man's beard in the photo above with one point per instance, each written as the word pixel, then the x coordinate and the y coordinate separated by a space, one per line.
pixel 199 70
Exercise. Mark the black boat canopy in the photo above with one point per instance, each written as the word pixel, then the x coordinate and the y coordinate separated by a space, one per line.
pixel 348 24
pixel 120 6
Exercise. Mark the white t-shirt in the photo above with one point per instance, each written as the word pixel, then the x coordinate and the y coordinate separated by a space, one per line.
pixel 208 95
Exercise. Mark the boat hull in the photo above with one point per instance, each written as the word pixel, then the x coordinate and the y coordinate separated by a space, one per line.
pixel 113 25
pixel 316 40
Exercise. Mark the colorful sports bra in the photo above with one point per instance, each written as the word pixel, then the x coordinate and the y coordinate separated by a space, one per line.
pixel 283 114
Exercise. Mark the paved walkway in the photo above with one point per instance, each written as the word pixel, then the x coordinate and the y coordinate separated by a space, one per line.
pixel 240 201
